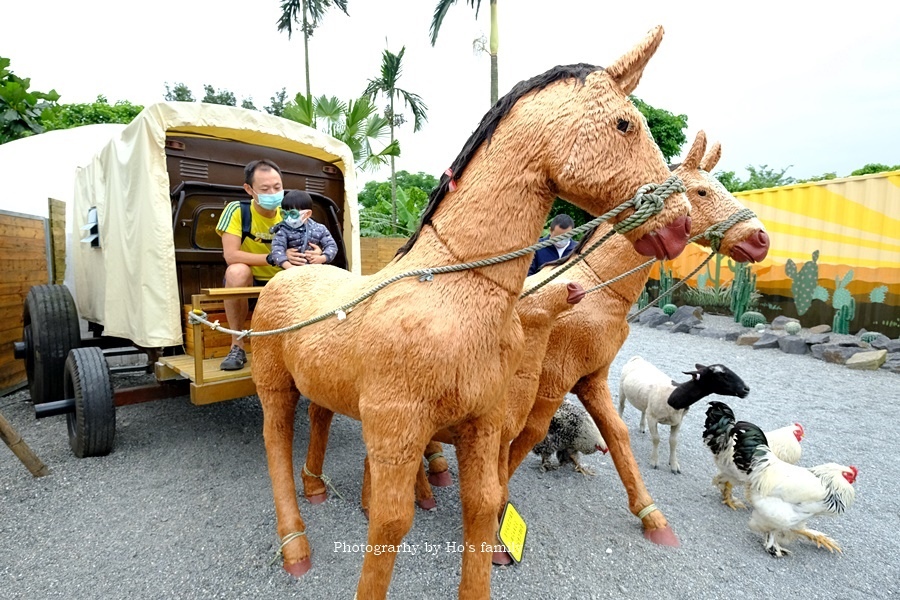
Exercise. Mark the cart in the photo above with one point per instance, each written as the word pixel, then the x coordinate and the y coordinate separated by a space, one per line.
pixel 145 212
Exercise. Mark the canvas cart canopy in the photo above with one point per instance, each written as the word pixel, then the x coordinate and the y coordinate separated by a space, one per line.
pixel 125 271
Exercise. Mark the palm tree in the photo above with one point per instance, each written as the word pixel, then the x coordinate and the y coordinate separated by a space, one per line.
pixel 440 11
pixel 355 123
pixel 309 14
pixel 391 66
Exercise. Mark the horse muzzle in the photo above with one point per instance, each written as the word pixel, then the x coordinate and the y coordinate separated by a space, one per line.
pixel 667 242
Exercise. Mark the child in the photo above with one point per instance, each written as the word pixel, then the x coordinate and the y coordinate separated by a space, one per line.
pixel 298 230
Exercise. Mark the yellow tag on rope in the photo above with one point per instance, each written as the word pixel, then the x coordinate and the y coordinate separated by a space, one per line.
pixel 513 530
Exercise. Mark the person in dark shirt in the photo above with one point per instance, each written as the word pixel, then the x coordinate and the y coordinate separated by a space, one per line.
pixel 561 223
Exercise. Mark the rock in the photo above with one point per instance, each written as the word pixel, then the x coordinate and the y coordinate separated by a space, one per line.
pixel 867 360
pixel 779 321
pixel 667 326
pixel 657 320
pixel 892 363
pixel 720 334
pixel 892 346
pixel 818 338
pixel 792 344
pixel 767 340
pixel 835 353
pixel 820 329
pixel 650 313
pixel 748 339
pixel 680 328
pixel 687 314
pixel 881 340
pixel 860 333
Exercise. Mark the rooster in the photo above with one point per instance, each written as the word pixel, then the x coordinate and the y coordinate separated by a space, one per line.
pixel 784 442
pixel 572 432
pixel 785 496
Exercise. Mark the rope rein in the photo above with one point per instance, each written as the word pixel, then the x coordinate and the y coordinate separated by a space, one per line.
pixel 648 201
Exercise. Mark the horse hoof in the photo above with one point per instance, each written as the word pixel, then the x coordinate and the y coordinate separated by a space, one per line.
pixel 427 503
pixel 299 569
pixel 318 498
pixel 501 559
pixel 662 537
pixel 442 479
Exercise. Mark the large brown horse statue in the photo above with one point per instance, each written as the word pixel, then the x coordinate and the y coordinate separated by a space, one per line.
pixel 582 343
pixel 420 357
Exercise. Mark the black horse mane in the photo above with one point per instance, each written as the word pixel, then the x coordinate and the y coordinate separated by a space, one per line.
pixel 486 128
pixel 589 234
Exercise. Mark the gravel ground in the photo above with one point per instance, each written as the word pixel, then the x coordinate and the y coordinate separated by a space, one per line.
pixel 183 507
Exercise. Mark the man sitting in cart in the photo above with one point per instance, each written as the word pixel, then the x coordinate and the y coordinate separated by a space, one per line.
pixel 247 248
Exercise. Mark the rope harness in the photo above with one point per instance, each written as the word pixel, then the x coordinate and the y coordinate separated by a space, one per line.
pixel 648 201
pixel 325 479
pixel 279 554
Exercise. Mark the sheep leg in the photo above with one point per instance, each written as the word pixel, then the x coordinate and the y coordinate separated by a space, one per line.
pixel 654 437
pixel 593 391
pixel 313 475
pixel 673 448
pixel 643 425
pixel 279 409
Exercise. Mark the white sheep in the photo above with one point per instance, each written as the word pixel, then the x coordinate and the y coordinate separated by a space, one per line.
pixel 662 400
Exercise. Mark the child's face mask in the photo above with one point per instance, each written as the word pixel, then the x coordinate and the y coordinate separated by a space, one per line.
pixel 294 217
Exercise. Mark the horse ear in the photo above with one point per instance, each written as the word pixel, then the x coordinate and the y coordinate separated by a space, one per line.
pixel 692 162
pixel 711 159
pixel 628 69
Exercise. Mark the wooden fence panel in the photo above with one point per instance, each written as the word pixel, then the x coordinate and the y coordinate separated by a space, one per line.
pixel 58 239
pixel 376 252
pixel 24 251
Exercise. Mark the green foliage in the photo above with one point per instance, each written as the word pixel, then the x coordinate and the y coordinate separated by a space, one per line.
pixel 20 109
pixel 752 319
pixel 760 178
pixel 386 84
pixel 792 327
pixel 248 104
pixel 376 191
pixel 376 221
pixel 560 206
pixel 823 177
pixel 306 13
pixel 66 116
pixel 871 168
pixel 277 103
pixel 805 283
pixel 713 300
pixel 221 96
pixel 667 128
pixel 878 295
pixel 355 123
pixel 669 309
pixel 870 336
pixel 180 93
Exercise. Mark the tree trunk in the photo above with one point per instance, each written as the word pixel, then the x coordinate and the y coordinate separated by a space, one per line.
pixel 306 57
pixel 495 43
pixel 393 175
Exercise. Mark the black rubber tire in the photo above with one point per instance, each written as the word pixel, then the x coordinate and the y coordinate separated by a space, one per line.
pixel 50 331
pixel 92 426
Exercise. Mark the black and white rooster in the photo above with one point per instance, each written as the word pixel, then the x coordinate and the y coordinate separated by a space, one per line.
pixel 572 432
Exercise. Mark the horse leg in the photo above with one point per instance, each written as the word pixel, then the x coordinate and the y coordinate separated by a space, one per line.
pixel 438 469
pixel 366 487
pixel 535 430
pixel 279 409
pixel 502 558
pixel 313 476
pixel 593 391
pixel 424 495
pixel 477 446
pixel 394 456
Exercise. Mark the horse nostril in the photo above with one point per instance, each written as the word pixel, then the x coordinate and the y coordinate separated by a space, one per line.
pixel 687 226
pixel 762 238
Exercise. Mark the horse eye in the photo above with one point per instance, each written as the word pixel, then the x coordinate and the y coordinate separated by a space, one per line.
pixel 623 125
pixel 702 192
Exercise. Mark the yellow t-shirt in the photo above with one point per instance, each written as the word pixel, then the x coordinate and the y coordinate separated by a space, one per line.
pixel 230 222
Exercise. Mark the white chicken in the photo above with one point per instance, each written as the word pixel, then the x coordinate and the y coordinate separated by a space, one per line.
pixel 784 496
pixel 717 434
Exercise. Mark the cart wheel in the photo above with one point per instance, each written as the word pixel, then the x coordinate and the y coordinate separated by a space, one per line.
pixel 92 427
pixel 50 331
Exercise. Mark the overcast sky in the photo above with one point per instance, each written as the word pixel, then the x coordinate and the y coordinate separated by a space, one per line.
pixel 815 85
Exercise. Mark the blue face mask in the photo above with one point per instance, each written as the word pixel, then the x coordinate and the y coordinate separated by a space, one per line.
pixel 270 201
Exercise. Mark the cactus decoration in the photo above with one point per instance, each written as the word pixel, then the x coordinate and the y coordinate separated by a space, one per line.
pixel 870 336
pixel 792 327
pixel 743 289
pixel 669 309
pixel 805 283
pixel 843 303
pixel 877 295
pixel 752 319
pixel 643 299
pixel 665 284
